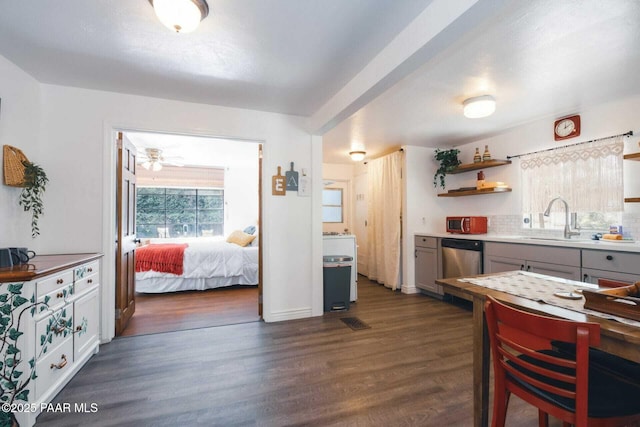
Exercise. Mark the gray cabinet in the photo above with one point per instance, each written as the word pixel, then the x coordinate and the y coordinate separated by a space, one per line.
pixel 604 267
pixel 549 260
pixel 426 263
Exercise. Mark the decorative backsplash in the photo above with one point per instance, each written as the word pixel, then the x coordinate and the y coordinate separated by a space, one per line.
pixel 509 225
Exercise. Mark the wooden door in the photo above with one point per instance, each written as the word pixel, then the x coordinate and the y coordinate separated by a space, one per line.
pixel 260 230
pixel 126 229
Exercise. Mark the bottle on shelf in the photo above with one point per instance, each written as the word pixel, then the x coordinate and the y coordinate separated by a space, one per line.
pixel 477 158
pixel 487 155
pixel 480 182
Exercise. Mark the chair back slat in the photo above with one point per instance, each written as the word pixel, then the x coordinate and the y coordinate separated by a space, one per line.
pixel 524 360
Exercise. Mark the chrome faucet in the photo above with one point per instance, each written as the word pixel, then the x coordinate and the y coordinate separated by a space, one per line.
pixel 567 228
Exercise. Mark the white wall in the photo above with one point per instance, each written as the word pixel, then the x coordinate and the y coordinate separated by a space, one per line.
pixel 19 127
pixel 75 148
pixel 241 191
pixel 597 122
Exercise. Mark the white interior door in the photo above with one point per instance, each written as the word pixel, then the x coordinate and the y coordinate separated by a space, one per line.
pixel 360 221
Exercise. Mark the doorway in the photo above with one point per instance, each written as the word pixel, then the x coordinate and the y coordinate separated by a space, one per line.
pixel 194 192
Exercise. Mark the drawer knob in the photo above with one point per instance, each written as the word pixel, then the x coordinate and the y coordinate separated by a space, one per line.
pixel 89 269
pixel 89 280
pixel 60 295
pixel 62 363
pixel 59 281
pixel 609 257
pixel 78 328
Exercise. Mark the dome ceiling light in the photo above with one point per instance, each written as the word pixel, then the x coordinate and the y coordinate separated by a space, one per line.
pixel 181 16
pixel 479 106
pixel 357 156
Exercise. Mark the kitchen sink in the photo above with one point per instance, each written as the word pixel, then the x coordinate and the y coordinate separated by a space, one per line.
pixel 555 239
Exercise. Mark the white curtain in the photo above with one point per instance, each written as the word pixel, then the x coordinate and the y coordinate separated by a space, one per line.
pixel 588 176
pixel 384 216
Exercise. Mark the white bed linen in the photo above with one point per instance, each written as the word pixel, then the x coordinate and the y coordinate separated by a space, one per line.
pixel 207 264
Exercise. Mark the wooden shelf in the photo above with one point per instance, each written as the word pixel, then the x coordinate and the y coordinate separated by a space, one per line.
pixel 632 156
pixel 476 192
pixel 481 165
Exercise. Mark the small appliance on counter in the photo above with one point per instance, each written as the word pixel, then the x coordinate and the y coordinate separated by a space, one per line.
pixel 467 224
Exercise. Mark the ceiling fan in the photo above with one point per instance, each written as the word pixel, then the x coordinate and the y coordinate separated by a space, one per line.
pixel 152 159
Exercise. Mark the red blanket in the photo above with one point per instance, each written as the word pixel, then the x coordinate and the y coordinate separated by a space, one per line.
pixel 163 257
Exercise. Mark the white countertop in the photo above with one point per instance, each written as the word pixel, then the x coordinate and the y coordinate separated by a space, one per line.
pixel 604 245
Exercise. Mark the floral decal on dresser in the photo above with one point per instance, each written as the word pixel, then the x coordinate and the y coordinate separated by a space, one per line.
pixel 16 373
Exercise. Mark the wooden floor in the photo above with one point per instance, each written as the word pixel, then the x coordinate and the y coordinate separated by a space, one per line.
pixel 178 311
pixel 412 367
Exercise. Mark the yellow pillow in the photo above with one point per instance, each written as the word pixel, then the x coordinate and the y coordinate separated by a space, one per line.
pixel 240 238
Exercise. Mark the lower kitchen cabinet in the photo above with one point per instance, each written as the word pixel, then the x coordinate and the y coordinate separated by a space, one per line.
pixel 549 260
pixel 610 268
pixel 426 264
pixel 49 322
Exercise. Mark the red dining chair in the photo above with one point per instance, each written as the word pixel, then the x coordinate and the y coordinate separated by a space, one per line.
pixel 561 384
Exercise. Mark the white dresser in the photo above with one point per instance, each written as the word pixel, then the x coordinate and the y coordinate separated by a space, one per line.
pixel 49 321
pixel 344 244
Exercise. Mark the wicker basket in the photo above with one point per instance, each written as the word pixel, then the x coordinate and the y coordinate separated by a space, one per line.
pixel 13 167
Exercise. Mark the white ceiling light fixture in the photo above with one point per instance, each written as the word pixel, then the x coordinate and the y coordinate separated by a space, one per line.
pixel 479 106
pixel 181 16
pixel 357 156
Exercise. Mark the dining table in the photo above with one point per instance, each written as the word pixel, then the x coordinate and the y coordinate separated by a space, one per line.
pixel 539 294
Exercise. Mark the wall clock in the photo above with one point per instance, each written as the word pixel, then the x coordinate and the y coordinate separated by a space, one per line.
pixel 567 127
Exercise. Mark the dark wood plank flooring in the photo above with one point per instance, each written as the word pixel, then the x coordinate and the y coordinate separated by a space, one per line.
pixel 177 311
pixel 411 368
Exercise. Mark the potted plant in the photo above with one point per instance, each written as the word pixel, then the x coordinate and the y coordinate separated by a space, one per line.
pixel 35 182
pixel 448 161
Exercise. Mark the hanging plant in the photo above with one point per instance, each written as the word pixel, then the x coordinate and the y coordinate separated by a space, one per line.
pixel 35 182
pixel 448 161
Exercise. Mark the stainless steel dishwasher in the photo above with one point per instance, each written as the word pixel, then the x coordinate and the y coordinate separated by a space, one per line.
pixel 461 257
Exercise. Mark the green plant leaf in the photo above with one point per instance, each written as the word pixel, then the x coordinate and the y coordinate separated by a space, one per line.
pixel 18 301
pixel 5 309
pixel 4 297
pixel 15 288
pixel 23 395
pixel 16 374
pixel 12 349
pixel 14 334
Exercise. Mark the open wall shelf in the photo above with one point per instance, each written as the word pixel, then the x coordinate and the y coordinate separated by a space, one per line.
pixel 636 157
pixel 480 165
pixel 475 192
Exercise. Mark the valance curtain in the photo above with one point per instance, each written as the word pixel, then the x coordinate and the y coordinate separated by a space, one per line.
pixel 588 176
pixel 384 212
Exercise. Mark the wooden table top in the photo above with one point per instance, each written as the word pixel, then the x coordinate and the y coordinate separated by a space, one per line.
pixel 609 329
pixel 43 265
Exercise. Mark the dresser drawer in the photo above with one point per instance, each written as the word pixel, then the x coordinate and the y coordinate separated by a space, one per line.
pixel 622 262
pixel 86 276
pixel 52 283
pixel 53 330
pixel 56 298
pixel 425 242
pixel 54 366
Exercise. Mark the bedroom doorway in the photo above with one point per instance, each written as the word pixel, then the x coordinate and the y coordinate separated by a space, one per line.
pixel 201 197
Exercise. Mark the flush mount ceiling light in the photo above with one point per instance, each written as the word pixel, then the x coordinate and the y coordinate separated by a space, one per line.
pixel 356 156
pixel 479 106
pixel 181 16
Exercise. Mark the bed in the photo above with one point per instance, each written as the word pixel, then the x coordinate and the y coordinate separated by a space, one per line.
pixel 206 264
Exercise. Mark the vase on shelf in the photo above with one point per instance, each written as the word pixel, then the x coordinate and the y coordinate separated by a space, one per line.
pixel 487 155
pixel 477 158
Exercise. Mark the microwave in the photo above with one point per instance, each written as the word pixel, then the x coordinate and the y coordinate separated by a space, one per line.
pixel 467 224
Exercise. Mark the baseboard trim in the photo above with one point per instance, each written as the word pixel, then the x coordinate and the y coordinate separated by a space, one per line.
pixel 279 316
pixel 406 289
